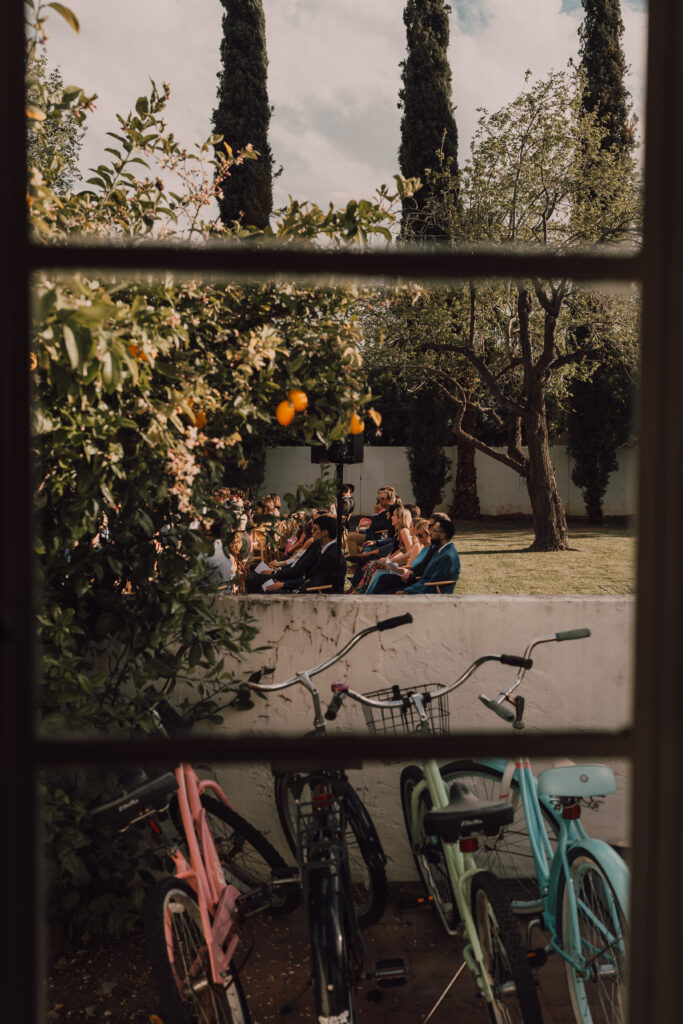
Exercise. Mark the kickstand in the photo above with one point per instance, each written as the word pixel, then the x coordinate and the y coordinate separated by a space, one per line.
pixel 445 992
pixel 289 1006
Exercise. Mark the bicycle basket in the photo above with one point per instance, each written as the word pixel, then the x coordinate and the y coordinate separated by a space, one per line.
pixel 406 720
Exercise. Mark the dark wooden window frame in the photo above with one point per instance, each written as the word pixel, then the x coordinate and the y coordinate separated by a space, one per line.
pixel 652 742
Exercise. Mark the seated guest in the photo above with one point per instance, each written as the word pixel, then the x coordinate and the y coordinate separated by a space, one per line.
pixel 295 567
pixel 421 541
pixel 323 572
pixel 379 529
pixel 439 562
pixel 219 567
pixel 401 523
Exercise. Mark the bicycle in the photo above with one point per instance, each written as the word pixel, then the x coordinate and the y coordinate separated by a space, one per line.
pixel 580 885
pixel 224 870
pixel 444 830
pixel 320 811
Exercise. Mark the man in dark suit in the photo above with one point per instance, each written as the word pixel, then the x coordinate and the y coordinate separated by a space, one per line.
pixel 323 572
pixel 260 582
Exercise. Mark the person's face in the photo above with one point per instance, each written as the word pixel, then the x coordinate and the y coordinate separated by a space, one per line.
pixel 422 534
pixel 316 532
pixel 383 499
pixel 436 532
pixel 395 521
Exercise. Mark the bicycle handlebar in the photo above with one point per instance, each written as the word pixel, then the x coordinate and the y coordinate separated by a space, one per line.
pixel 396 620
pixel 573 634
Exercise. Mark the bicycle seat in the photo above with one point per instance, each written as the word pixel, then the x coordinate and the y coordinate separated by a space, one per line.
pixel 467 816
pixel 577 780
pixel 152 795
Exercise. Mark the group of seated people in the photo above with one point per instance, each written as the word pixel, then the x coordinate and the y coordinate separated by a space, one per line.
pixel 394 551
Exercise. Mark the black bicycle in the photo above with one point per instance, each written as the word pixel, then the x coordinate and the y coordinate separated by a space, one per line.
pixel 341 861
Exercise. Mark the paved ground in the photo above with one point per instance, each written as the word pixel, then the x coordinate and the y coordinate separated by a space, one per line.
pixel 278 968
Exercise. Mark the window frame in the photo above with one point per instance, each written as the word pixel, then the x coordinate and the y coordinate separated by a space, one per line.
pixel 653 740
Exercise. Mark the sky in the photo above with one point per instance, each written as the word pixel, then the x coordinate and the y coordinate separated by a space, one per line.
pixel 333 76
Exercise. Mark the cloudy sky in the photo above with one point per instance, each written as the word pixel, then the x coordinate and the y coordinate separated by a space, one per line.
pixel 333 78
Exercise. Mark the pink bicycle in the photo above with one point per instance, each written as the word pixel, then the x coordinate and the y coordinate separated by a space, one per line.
pixel 225 870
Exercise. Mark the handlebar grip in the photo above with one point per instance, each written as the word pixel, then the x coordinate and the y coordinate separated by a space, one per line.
pixel 396 620
pixel 503 711
pixel 334 706
pixel 573 634
pixel 513 659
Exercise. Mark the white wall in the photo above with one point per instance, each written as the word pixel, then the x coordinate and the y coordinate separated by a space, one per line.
pixel 584 684
pixel 501 491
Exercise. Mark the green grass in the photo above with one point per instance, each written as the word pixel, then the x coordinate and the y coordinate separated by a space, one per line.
pixel 494 559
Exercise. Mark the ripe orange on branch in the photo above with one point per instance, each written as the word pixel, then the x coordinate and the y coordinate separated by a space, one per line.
pixel 299 399
pixel 357 424
pixel 284 413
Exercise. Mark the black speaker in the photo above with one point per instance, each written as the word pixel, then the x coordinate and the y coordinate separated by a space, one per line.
pixel 346 452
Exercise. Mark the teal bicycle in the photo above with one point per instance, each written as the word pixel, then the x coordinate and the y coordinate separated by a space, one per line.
pixel 577 887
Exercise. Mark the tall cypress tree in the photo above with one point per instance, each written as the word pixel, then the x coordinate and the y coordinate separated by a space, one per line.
pixel 599 418
pixel 243 112
pixel 603 60
pixel 428 126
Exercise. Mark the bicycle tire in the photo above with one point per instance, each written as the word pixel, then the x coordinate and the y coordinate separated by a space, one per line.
pixel 363 848
pixel 331 969
pixel 508 855
pixel 178 954
pixel 602 995
pixel 429 857
pixel 515 998
pixel 248 858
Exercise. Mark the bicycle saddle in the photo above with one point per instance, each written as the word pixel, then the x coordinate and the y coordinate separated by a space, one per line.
pixel 467 816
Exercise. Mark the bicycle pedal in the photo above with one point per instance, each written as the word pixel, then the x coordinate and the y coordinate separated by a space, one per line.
pixel 391 972
pixel 406 901
pixel 537 957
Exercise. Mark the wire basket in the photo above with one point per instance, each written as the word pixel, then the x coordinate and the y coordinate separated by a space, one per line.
pixel 405 720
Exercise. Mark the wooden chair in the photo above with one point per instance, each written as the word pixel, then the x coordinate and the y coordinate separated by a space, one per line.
pixel 440 583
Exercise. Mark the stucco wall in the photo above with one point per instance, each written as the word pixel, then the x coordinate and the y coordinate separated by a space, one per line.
pixel 501 491
pixel 579 685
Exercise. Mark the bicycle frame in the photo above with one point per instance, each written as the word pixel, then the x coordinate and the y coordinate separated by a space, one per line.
pixel 461 867
pixel 552 867
pixel 215 897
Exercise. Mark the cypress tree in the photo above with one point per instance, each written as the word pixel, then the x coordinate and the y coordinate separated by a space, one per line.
pixel 599 418
pixel 242 115
pixel 604 63
pixel 427 126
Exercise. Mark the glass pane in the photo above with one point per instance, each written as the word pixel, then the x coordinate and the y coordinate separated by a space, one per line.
pixel 108 883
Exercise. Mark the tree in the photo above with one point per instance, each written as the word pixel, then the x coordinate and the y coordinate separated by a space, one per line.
pixel 536 171
pixel 427 460
pixel 144 389
pixel 600 418
pixel 242 115
pixel 604 65
pixel 429 137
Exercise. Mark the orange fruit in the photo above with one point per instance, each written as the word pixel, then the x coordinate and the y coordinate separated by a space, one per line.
pixel 357 424
pixel 299 399
pixel 284 413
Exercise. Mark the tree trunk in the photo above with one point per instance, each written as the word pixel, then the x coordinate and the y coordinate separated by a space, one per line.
pixel 550 521
pixel 465 502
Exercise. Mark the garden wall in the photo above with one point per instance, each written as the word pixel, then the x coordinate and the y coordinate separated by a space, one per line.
pixel 585 684
pixel 501 490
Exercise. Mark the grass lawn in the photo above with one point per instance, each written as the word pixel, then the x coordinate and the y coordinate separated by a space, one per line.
pixel 494 559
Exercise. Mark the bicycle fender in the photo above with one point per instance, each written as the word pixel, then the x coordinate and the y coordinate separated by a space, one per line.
pixel 606 858
pixel 357 809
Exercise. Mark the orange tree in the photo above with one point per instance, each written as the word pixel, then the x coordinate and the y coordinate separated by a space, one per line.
pixel 144 390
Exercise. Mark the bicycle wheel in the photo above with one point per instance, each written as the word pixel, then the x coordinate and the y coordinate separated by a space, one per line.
pixel 180 961
pixel 429 856
pixel 247 857
pixel 363 848
pixel 598 989
pixel 508 855
pixel 332 969
pixel 505 961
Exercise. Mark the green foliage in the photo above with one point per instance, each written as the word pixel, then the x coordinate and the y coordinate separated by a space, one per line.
pixel 320 495
pixel 604 64
pixel 599 422
pixel 145 389
pixel 428 463
pixel 242 116
pixel 429 137
pixel 54 132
